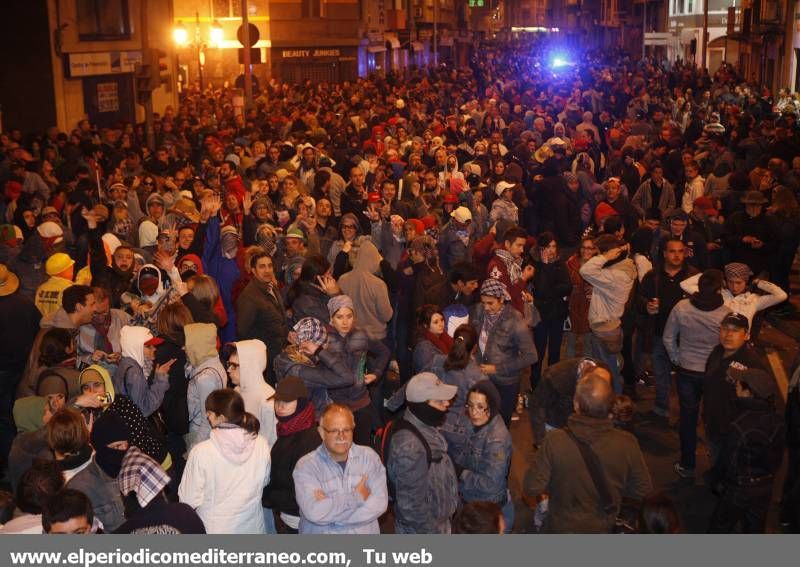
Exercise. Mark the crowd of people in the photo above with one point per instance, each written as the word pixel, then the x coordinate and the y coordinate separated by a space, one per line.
pixel 338 302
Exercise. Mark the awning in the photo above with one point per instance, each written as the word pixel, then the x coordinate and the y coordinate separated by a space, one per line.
pixel 417 46
pixel 391 39
pixel 376 48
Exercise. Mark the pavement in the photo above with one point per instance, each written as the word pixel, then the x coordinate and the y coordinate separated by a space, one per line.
pixel 778 341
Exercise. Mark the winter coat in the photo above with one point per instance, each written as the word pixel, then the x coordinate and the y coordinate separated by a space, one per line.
pixel 175 408
pixel 456 426
pixel 254 389
pixel 551 404
pixel 352 352
pixel 643 198
pixel 691 334
pixel 205 373
pixel 261 316
pixel 18 330
pixel 28 266
pixel 369 293
pixel 279 493
pixel 559 470
pixel 424 353
pixel 567 223
pixel 58 320
pixel 103 491
pixel 129 379
pixel 224 478
pixel 89 341
pixel 668 289
pixel 452 248
pixel 763 227
pixel 509 347
pixel 551 285
pixel 426 496
pixel 486 459
pixel 309 302
pixel 110 277
pixel 343 510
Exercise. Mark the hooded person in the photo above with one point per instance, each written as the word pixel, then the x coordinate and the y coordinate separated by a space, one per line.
pixel 225 475
pixel 246 368
pixel 141 482
pixel 297 436
pixel 220 261
pixel 30 444
pixel 98 398
pixel 369 293
pixel 132 377
pixel 205 374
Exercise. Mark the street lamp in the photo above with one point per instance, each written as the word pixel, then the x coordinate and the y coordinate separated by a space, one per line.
pixel 180 34
pixel 217 34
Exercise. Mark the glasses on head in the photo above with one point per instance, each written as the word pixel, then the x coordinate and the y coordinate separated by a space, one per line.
pixel 338 432
pixel 476 408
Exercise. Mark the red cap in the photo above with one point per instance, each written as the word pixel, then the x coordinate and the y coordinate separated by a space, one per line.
pixel 706 204
pixel 374 198
pixel 155 341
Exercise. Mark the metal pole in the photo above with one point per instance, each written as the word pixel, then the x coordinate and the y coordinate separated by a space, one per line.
pixel 199 42
pixel 644 28
pixel 248 70
pixel 705 34
pixel 150 133
pixel 436 32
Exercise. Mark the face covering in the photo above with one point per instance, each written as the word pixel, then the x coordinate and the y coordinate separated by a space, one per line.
pixel 427 414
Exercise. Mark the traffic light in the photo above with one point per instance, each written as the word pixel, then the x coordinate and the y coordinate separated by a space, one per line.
pixel 161 62
pixel 144 75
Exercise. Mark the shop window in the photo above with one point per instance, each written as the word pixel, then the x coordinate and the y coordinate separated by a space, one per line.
pixel 103 20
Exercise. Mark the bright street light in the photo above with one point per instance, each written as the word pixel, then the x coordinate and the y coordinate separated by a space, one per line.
pixel 217 34
pixel 180 34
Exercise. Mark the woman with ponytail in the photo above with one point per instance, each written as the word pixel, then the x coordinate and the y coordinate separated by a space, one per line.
pixel 458 369
pixel 225 475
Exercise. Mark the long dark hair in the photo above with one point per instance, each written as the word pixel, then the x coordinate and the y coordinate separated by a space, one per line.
pixel 229 403
pixel 464 340
pixel 53 348
pixel 313 266
pixel 424 315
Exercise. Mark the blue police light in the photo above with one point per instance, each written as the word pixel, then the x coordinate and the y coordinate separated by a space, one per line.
pixel 559 62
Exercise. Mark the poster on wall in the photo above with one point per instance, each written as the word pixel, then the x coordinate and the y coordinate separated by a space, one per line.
pixel 107 97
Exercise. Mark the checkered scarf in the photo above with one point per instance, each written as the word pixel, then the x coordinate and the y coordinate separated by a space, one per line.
pixel 142 475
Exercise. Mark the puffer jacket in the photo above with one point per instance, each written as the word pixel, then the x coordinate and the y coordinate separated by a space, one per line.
pixel 331 373
pixel 309 302
pixel 486 459
pixel 510 346
pixel 426 496
pixel 456 425
pixel 354 350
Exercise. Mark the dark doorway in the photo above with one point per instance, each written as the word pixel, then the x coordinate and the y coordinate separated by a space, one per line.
pixel 108 99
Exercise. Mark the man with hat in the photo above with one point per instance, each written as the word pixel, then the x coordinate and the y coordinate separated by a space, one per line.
pixel 418 466
pixel 733 352
pixel 750 456
pixel 60 267
pixel 297 437
pixel 456 238
pixel 751 234
pixel 503 206
pixel 19 324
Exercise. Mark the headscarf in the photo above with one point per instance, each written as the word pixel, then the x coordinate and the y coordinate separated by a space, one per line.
pixel 738 270
pixel 141 475
pixel 339 302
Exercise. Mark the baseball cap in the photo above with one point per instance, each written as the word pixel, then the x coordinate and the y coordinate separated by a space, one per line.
pixel 290 389
pixel 736 320
pixel 155 341
pixel 462 215
pixel 427 386
pixel 296 233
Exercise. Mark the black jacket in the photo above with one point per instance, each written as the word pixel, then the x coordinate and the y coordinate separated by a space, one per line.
pixel 551 289
pixel 552 400
pixel 261 315
pixel 111 278
pixel 658 284
pixel 279 493
pixel 175 407
pixel 567 223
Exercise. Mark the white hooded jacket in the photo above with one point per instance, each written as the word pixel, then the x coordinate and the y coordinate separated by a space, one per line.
pixel 252 387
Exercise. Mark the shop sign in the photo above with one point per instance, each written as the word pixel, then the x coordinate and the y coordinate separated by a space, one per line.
pixel 103 63
pixel 303 53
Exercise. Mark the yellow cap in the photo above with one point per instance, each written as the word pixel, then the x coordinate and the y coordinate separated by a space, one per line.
pixel 57 263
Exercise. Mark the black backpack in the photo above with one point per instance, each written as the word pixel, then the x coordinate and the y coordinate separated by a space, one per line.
pixel 382 443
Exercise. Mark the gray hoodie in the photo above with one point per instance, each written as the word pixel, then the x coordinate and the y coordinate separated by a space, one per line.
pixel 369 293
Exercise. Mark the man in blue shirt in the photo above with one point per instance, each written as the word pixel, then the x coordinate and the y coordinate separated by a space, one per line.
pixel 340 487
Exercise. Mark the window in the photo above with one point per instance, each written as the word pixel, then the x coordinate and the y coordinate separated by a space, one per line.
pixel 690 9
pixel 100 20
pixel 312 8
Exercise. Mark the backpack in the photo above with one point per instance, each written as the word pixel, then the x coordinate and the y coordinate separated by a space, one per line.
pixel 382 443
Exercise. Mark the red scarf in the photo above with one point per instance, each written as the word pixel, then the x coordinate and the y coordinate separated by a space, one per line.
pixel 443 342
pixel 300 421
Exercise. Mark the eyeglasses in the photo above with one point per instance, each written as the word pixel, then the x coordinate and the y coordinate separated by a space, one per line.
pixel 475 407
pixel 233 366
pixel 344 431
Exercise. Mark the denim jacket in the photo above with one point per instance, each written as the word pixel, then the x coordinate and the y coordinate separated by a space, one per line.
pixel 426 497
pixel 510 346
pixel 343 510
pixel 456 425
pixel 486 459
